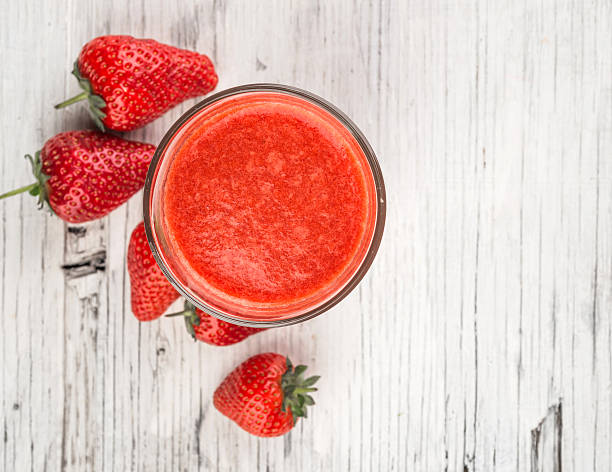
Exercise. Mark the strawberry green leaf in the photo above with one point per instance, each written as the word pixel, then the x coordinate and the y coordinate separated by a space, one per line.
pixel 96 102
pixel 38 188
pixel 311 381
pixel 190 328
pixel 296 389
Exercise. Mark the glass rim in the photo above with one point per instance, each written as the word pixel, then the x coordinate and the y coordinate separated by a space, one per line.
pixel 373 164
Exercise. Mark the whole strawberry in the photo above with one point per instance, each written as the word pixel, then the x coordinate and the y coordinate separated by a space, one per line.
pixel 211 330
pixel 151 292
pixel 83 175
pixel 265 395
pixel 129 82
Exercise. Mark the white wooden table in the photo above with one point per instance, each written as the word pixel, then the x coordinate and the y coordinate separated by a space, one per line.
pixel 481 338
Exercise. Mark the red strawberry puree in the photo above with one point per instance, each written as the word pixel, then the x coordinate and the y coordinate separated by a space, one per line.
pixel 272 202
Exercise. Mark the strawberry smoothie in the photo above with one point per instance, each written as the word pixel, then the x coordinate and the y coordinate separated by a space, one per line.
pixel 268 205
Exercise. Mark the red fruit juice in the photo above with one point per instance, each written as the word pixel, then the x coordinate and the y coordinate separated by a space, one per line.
pixel 269 204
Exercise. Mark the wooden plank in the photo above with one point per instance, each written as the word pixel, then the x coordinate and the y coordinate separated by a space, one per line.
pixel 547 442
pixel 487 308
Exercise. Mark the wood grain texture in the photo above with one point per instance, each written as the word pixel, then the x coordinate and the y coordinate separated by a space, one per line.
pixel 480 340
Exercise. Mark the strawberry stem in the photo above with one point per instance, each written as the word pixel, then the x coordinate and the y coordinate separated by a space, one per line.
pixel 180 313
pixel 19 190
pixel 190 316
pixel 70 101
